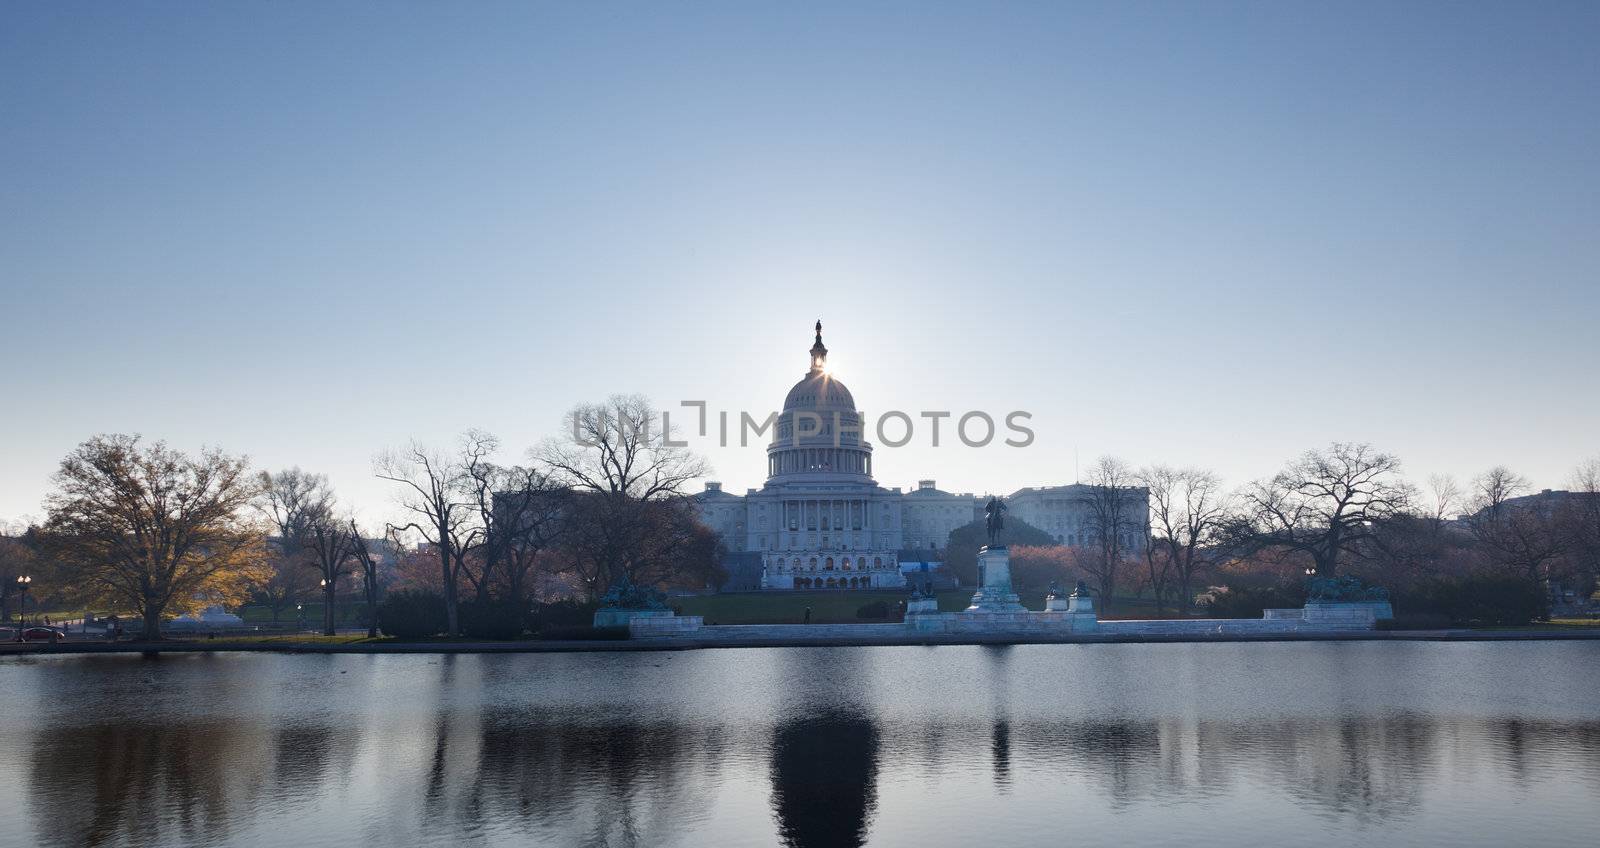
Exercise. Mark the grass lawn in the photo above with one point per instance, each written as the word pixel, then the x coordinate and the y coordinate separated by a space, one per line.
pixel 283 638
pixel 344 613
pixel 318 639
pixel 1556 624
pixel 1581 624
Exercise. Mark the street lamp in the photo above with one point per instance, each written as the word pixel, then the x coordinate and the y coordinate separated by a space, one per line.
pixel 23 582
pixel 327 607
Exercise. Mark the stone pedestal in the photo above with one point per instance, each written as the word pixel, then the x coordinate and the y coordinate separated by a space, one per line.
pixel 994 588
pixel 1341 615
pixel 1056 603
pixel 655 626
pixel 212 618
pixel 620 617
pixel 1080 604
pixel 922 606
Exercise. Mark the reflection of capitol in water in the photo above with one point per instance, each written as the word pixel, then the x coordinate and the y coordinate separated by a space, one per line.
pixel 825 778
pixel 631 750
pixel 643 784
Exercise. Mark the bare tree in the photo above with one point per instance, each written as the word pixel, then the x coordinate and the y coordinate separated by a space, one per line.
pixel 613 450
pixel 437 495
pixel 1112 523
pixel 1187 510
pixel 154 528
pixel 291 499
pixel 1327 504
pixel 1586 478
pixel 328 541
pixel 1523 537
pixel 1585 519
pixel 367 565
pixel 1492 489
pixel 1445 499
pixel 1420 542
pixel 521 512
pixel 625 477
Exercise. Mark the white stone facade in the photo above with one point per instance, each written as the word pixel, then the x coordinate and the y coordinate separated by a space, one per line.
pixel 928 514
pixel 822 522
pixel 1068 513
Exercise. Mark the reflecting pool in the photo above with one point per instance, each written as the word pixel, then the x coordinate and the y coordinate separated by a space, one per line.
pixel 1391 743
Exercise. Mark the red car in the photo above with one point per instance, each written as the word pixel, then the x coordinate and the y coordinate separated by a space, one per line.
pixel 43 634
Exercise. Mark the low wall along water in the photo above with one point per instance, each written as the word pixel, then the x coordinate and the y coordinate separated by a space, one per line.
pixel 995 613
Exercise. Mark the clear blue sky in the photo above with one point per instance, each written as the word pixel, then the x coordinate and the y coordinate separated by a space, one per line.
pixel 1185 232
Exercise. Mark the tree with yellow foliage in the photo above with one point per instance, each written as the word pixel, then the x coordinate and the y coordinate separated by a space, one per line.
pixel 154 529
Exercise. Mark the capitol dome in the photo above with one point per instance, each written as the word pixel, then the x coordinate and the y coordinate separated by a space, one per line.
pixel 818 390
pixel 804 441
pixel 821 391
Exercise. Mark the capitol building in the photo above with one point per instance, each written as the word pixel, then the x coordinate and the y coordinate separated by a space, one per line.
pixel 822 522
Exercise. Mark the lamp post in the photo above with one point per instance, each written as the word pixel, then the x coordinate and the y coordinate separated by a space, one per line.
pixel 300 615
pixel 327 606
pixel 23 582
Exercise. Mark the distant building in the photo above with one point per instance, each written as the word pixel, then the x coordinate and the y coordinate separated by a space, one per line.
pixel 1546 503
pixel 928 514
pixel 822 522
pixel 1068 513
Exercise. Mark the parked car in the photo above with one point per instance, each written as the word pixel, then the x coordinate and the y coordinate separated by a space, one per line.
pixel 43 634
pixel 7 634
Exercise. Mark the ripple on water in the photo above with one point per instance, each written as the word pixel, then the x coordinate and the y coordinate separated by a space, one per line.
pixel 1309 744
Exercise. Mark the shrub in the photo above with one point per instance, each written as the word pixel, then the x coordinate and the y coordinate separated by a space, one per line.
pixel 1483 600
pixel 412 614
pixel 1240 601
pixel 501 620
pixel 562 613
pixel 876 609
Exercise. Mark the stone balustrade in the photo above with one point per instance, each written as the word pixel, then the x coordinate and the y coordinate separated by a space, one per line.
pixel 641 627
pixel 995 612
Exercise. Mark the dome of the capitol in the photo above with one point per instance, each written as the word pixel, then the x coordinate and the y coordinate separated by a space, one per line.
pixel 819 432
pixel 819 391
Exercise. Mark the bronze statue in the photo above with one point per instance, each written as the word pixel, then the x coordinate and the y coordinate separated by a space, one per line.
pixel 994 519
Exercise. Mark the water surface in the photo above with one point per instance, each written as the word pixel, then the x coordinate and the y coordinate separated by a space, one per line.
pixel 1389 743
